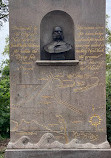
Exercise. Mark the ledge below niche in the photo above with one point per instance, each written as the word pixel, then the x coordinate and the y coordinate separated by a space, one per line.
pixel 57 62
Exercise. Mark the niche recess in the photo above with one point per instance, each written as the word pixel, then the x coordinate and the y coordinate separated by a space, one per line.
pixel 51 20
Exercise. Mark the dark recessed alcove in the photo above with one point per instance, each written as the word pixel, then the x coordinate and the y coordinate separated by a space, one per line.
pixel 51 20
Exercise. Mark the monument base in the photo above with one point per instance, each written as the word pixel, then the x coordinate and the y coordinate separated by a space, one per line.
pixel 56 153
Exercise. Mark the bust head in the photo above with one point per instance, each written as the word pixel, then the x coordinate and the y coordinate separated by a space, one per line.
pixel 57 34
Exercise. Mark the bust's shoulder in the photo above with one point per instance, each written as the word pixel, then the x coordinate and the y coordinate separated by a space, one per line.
pixel 50 47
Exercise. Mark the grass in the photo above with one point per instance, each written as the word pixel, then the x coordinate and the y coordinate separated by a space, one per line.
pixel 3 145
pixel 2 154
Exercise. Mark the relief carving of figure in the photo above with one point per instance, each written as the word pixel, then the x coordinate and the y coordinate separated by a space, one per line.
pixel 58 47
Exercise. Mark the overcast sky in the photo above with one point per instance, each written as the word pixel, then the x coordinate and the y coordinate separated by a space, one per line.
pixel 4 31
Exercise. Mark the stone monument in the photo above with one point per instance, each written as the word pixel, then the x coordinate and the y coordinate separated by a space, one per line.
pixel 57 74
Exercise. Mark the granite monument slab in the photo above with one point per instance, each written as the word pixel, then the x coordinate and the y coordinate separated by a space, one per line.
pixel 57 74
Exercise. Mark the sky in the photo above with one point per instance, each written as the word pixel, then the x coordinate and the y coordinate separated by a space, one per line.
pixel 108 11
pixel 4 31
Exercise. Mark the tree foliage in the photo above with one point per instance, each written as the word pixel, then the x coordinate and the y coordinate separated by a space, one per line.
pixel 108 105
pixel 4 96
pixel 108 33
pixel 108 80
pixel 4 11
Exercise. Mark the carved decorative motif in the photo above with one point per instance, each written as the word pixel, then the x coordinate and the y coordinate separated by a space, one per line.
pixel 48 142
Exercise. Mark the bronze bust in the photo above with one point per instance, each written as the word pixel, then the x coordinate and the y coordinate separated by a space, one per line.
pixel 58 47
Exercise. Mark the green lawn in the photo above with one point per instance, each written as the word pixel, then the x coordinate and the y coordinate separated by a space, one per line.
pixel 1 154
pixel 3 145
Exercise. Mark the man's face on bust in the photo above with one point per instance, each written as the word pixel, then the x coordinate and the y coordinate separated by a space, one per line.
pixel 57 34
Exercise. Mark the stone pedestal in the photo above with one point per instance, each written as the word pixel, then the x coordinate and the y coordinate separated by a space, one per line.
pixel 30 153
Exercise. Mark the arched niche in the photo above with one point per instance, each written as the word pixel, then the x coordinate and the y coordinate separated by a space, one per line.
pixel 51 20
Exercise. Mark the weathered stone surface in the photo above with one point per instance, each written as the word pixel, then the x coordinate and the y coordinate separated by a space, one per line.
pixel 67 101
pixel 59 153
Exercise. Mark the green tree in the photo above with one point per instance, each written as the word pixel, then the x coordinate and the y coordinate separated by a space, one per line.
pixel 108 81
pixel 108 104
pixel 4 95
pixel 4 11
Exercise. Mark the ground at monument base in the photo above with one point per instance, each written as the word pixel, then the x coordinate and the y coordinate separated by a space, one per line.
pixel 55 153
